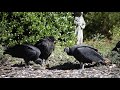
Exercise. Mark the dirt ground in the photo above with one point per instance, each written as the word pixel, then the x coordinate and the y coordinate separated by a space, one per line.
pixel 11 69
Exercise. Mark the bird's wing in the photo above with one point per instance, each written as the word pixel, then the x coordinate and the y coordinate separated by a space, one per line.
pixel 38 42
pixel 89 54
pixel 83 45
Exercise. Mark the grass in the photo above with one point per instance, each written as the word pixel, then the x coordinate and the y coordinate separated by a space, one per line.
pixel 103 46
pixel 59 57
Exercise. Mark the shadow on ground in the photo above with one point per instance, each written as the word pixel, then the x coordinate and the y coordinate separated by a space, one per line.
pixel 65 66
pixel 20 65
pixel 68 66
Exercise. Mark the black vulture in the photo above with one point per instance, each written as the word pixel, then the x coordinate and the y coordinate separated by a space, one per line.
pixel 85 54
pixel 46 46
pixel 117 47
pixel 27 52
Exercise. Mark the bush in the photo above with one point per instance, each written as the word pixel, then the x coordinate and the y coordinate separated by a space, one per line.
pixel 2 57
pixel 101 24
pixel 28 27
pixel 114 57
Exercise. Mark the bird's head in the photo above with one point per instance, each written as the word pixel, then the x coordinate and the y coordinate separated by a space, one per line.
pixel 69 51
pixel 52 38
pixel 66 50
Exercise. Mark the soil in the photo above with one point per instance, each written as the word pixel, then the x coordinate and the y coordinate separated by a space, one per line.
pixel 9 69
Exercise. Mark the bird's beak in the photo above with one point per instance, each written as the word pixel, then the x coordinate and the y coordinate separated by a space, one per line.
pixel 65 49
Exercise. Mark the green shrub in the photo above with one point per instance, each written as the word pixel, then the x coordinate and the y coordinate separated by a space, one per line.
pixel 101 24
pixel 114 57
pixel 28 27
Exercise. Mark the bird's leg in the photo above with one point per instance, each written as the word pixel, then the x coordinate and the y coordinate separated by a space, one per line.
pixel 81 67
pixel 21 63
pixel 44 63
pixel 26 64
pixel 98 64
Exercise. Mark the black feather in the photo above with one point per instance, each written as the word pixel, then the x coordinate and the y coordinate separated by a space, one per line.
pixel 46 46
pixel 27 52
pixel 85 54
pixel 117 47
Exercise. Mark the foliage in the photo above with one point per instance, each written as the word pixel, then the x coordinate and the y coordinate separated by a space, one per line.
pixel 1 50
pixel 28 27
pixel 104 45
pixel 101 24
pixel 2 57
pixel 114 57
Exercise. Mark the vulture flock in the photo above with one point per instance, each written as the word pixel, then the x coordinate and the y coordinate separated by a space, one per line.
pixel 36 53
pixel 44 48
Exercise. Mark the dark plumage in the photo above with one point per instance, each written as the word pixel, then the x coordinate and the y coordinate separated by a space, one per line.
pixel 85 54
pixel 117 47
pixel 46 46
pixel 27 52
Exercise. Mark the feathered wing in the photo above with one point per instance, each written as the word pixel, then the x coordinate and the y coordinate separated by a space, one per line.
pixel 38 42
pixel 89 54
pixel 44 48
pixel 32 48
pixel 83 45
pixel 48 47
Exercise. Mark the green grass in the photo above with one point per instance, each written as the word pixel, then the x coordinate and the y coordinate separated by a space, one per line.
pixel 59 57
pixel 103 46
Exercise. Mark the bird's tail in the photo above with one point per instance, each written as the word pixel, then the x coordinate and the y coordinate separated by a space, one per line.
pixel 106 61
